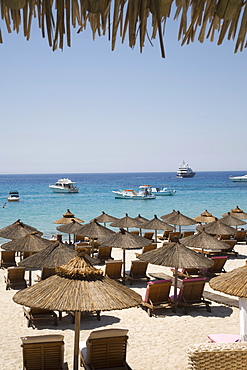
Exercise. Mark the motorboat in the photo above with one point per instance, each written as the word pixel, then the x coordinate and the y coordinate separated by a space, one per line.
pixel 64 186
pixel 185 171
pixel 13 196
pixel 144 193
pixel 162 191
pixel 238 178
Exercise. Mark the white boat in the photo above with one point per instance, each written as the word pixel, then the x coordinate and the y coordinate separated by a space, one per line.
pixel 64 186
pixel 185 171
pixel 238 178
pixel 162 191
pixel 13 196
pixel 143 194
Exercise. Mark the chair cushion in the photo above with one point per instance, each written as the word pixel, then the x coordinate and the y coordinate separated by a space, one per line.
pixel 224 338
pixel 42 339
pixel 107 333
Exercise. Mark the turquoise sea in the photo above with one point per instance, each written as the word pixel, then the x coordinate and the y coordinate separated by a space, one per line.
pixel 39 206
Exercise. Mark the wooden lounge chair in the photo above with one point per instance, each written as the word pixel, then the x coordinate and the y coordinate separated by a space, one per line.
pixel 15 278
pixel 165 235
pixel 174 236
pixel 148 235
pixel 7 259
pixel 224 236
pixel 43 352
pixel 191 294
pixel 136 232
pixel 187 233
pixel 241 236
pixel 231 243
pixel 104 253
pixel 34 315
pixel 45 273
pixel 147 249
pixel 113 269
pixel 157 295
pixel 105 349
pixel 138 271
pixel 212 356
pixel 218 266
pixel 86 248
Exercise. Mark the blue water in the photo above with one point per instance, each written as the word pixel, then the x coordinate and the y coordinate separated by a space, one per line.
pixel 39 206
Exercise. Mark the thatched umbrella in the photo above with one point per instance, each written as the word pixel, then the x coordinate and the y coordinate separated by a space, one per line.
pixel 231 220
pixel 203 240
pixel 56 254
pixel 78 287
pixel 72 227
pixel 238 213
pixel 217 228
pixel 205 217
pixel 17 230
pixel 235 283
pixel 177 218
pixel 67 217
pixel 156 224
pixel 125 240
pixel 28 243
pixel 141 220
pixel 126 222
pixel 176 255
pixel 105 218
pixel 94 230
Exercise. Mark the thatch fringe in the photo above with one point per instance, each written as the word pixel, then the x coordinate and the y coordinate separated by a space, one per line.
pixel 55 18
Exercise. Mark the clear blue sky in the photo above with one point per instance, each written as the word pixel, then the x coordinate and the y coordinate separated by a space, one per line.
pixel 88 109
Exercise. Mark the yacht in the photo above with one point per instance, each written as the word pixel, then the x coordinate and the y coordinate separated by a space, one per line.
pixel 163 191
pixel 238 178
pixel 143 194
pixel 185 171
pixel 13 196
pixel 64 186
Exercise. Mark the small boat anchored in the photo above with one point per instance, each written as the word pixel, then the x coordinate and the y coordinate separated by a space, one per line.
pixel 163 191
pixel 238 178
pixel 185 171
pixel 143 194
pixel 13 196
pixel 64 186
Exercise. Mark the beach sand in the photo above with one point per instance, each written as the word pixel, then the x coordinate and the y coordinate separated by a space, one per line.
pixel 155 343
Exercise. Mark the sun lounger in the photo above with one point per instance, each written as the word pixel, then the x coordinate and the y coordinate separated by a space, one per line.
pixel 113 269
pixel 7 259
pixel 165 235
pixel 138 271
pixel 191 294
pixel 147 248
pixel 86 248
pixel 105 349
pixel 135 232
pixel 218 266
pixel 104 253
pixel 222 356
pixel 187 233
pixel 45 273
pixel 148 235
pixel 241 236
pixel 174 236
pixel 43 352
pixel 15 278
pixel 34 315
pixel 224 338
pixel 156 295
pixel 231 243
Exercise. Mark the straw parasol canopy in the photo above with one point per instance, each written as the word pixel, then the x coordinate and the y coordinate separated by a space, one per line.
pixel 78 287
pixel 238 213
pixel 141 220
pixel 17 230
pixel 29 243
pixel 56 254
pixel 156 224
pixel 205 217
pixel 105 218
pixel 176 255
pixel 129 19
pixel 67 218
pixel 203 240
pixel 235 283
pixel 72 227
pixel 125 240
pixel 231 220
pixel 177 218
pixel 126 222
pixel 217 228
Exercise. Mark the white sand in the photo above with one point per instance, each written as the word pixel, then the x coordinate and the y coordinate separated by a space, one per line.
pixel 155 343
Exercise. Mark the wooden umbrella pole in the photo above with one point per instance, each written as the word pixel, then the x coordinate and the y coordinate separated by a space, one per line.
pixel 124 266
pixel 92 243
pixel 30 277
pixel 77 339
pixel 155 235
pixel 69 239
